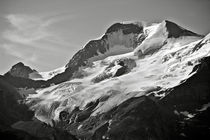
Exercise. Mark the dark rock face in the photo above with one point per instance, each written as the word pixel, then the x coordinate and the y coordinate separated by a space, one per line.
pixel 94 47
pixel 19 74
pixel 41 130
pixel 16 119
pixel 11 110
pixel 13 134
pixel 197 127
pixel 34 130
pixel 176 31
pixel 19 82
pixel 126 65
pixel 150 117
pixel 146 118
pixel 20 70
pixel 102 46
pixel 127 28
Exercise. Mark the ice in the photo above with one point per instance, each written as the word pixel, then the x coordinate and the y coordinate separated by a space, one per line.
pixel 165 68
pixel 46 75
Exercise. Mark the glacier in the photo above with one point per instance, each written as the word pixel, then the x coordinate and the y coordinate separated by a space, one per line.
pixel 159 62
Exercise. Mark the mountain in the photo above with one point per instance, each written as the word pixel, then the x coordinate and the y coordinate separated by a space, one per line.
pixel 10 110
pixel 20 70
pixel 19 77
pixel 23 71
pixel 46 75
pixel 120 38
pixel 16 119
pixel 137 81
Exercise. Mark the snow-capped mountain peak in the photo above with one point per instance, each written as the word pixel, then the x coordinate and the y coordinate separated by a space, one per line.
pixel 159 34
pixel 20 70
pixel 135 78
pixel 160 61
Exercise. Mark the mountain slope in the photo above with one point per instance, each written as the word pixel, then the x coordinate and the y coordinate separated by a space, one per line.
pixel 150 88
pixel 119 38
pixel 10 110
pixel 135 82
pixel 46 75
pixel 16 119
pixel 20 70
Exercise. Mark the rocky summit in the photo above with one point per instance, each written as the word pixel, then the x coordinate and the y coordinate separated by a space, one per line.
pixel 137 82
pixel 20 70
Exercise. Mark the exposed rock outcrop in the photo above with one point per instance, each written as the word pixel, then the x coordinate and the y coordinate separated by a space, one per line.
pixel 118 39
pixel 176 31
pixel 16 119
pixel 11 108
pixel 149 96
pixel 116 68
pixel 20 70
pixel 150 117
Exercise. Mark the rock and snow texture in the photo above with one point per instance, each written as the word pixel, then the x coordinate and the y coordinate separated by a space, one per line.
pixel 157 35
pixel 23 71
pixel 20 70
pixel 162 60
pixel 46 75
pixel 119 39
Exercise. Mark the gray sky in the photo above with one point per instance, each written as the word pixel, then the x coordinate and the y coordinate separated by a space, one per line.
pixel 45 34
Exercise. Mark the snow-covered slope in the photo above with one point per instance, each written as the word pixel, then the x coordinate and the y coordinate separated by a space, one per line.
pixel 159 34
pixel 46 75
pixel 119 38
pixel 162 61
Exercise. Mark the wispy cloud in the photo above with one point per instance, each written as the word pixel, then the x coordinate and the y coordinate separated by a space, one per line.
pixel 25 54
pixel 27 37
pixel 29 29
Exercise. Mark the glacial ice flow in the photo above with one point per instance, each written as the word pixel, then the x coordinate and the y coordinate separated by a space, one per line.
pixel 169 65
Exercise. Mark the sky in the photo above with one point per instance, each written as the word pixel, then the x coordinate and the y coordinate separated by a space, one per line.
pixel 45 34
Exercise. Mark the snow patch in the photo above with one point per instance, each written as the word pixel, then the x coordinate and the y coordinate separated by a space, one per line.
pixel 204 107
pixel 166 68
pixel 46 75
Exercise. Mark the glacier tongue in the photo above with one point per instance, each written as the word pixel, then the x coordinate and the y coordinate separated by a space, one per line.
pixel 170 64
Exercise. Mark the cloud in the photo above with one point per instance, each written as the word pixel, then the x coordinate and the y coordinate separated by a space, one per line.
pixel 29 29
pixel 31 38
pixel 35 31
pixel 26 54
pixel 25 29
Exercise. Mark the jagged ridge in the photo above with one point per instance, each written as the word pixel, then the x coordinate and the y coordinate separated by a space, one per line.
pixel 142 93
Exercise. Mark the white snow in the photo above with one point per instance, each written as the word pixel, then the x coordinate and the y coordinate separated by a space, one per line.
pixel 167 68
pixel 115 50
pixel 187 114
pixel 156 36
pixel 46 75
pixel 205 107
